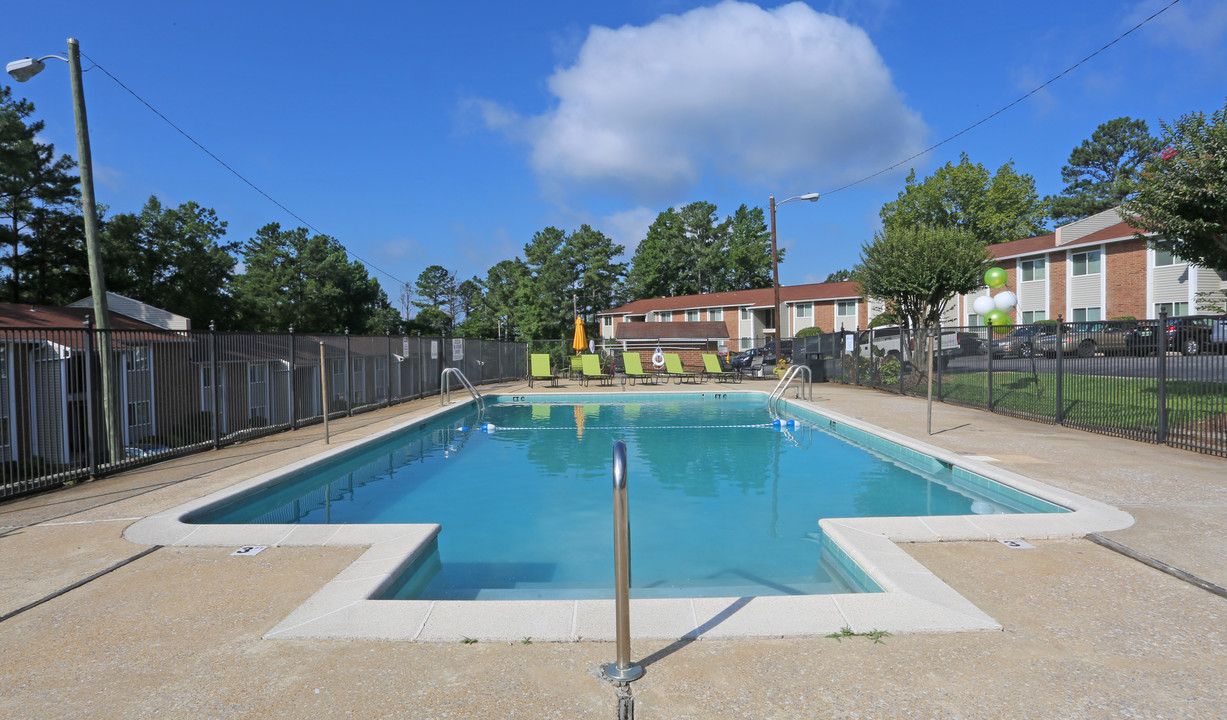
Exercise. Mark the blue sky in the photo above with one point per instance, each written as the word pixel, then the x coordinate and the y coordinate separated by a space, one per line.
pixel 449 133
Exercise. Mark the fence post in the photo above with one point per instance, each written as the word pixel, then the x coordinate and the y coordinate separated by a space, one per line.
pixel 91 422
pixel 1161 372
pixel 989 397
pixel 1060 371
pixel 387 374
pixel 420 389
pixel 213 381
pixel 349 379
pixel 293 382
pixel 901 355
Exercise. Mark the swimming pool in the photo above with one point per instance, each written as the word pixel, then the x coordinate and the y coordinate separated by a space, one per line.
pixel 725 498
pixel 913 599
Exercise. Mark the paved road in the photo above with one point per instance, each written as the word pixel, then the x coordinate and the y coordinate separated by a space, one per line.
pixel 1178 367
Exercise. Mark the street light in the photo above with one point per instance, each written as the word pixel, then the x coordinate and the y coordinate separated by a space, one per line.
pixel 775 266
pixel 22 70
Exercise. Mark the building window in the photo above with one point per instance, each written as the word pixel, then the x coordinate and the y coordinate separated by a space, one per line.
pixel 975 320
pixel 1086 314
pixel 805 310
pixel 845 307
pixel 1032 316
pixel 665 315
pixel 1164 258
pixel 1174 309
pixel 608 319
pixel 747 343
pixel 1086 263
pixel 745 313
pixel 692 316
pixel 716 315
pixel 1033 270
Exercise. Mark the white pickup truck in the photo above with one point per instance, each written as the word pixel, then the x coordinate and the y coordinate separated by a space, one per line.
pixel 884 342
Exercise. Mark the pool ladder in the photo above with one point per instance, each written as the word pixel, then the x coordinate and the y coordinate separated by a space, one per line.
pixel 445 391
pixel 773 399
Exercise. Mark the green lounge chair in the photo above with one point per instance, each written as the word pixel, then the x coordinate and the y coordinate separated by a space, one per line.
pixel 634 368
pixel 539 369
pixel 712 369
pixel 577 368
pixel 673 366
pixel 592 370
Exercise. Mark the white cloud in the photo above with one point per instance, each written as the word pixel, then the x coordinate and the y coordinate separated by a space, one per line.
pixel 762 96
pixel 1199 26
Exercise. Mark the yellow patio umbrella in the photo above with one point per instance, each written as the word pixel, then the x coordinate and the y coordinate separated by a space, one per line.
pixel 580 343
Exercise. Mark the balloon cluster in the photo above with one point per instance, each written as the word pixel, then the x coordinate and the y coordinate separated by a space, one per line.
pixel 994 309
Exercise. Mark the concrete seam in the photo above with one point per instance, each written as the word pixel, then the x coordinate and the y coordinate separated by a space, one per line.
pixel 422 627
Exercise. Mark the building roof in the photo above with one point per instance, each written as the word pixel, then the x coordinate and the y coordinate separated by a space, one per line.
pixel 20 315
pixel 761 297
pixel 660 331
pixel 1040 244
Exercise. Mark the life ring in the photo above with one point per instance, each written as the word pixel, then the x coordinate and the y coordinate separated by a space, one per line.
pixel 658 358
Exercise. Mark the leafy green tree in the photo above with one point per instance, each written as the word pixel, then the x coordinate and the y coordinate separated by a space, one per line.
pixel 839 276
pixel 1102 171
pixel 1182 193
pixel 307 281
pixel 746 259
pixel 994 208
pixel 596 280
pixel 917 270
pixel 37 191
pixel 657 267
pixel 436 286
pixel 691 251
pixel 174 259
pixel 53 270
pixel 498 311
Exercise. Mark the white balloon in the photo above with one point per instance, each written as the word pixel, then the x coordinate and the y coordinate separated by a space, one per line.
pixel 983 305
pixel 1005 300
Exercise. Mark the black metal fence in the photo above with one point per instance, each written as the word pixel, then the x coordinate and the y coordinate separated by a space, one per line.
pixel 1161 381
pixel 178 392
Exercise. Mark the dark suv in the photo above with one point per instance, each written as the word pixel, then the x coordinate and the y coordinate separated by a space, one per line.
pixel 1190 335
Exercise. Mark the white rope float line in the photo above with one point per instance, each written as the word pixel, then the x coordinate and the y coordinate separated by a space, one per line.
pixel 489 427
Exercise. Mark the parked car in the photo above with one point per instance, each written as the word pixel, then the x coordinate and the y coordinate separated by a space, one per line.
pixel 970 343
pixel 885 343
pixel 743 361
pixel 1084 339
pixel 1188 334
pixel 1021 341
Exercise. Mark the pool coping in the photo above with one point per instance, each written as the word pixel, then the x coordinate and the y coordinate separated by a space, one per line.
pixel 914 600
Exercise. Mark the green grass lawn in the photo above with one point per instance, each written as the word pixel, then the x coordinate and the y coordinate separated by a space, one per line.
pixel 1125 403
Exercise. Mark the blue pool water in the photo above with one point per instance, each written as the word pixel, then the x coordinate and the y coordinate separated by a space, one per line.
pixel 722 502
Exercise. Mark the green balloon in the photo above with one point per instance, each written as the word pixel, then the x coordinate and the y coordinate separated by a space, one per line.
pixel 995 277
pixel 1000 321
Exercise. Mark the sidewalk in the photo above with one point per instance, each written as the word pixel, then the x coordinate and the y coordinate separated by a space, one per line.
pixel 1088 632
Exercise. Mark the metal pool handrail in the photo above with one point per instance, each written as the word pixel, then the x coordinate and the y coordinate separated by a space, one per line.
pixel 774 398
pixel 622 671
pixel 445 388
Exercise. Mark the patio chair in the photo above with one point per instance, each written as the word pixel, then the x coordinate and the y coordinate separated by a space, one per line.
pixel 673 366
pixel 756 366
pixel 634 368
pixel 577 368
pixel 539 369
pixel 592 370
pixel 712 369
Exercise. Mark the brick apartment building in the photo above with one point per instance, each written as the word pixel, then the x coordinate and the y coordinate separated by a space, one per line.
pixel 1092 269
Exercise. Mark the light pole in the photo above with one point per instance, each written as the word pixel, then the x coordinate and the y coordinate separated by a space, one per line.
pixel 22 70
pixel 775 265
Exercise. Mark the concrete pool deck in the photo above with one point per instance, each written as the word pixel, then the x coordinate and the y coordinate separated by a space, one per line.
pixel 1086 632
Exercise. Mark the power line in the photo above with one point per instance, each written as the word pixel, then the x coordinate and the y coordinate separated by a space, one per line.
pixel 236 173
pixel 973 126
